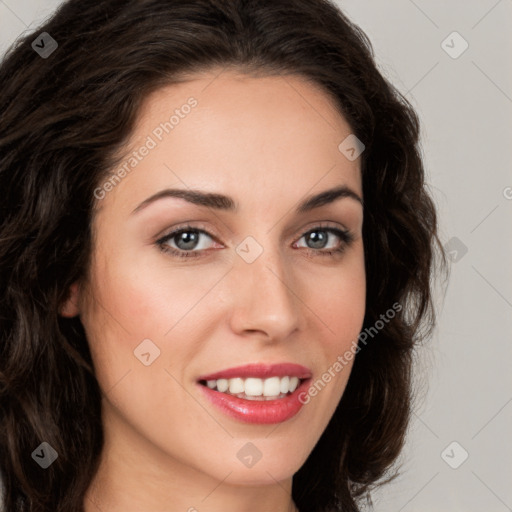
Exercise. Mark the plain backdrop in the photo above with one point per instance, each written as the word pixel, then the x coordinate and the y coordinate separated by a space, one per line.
pixel 452 60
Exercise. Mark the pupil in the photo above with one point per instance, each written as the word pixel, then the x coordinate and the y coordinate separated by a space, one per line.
pixel 318 238
pixel 189 238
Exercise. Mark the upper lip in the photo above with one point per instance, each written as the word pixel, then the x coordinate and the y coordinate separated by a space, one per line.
pixel 261 371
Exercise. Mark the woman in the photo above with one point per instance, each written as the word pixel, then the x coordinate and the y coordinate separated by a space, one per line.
pixel 217 247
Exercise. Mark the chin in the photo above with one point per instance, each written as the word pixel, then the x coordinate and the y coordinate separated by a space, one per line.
pixel 265 461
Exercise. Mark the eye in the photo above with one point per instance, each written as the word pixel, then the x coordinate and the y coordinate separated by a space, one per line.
pixel 320 240
pixel 185 242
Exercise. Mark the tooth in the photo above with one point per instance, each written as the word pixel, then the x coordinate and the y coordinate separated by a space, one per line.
pixel 236 386
pixel 256 389
pixel 253 387
pixel 284 384
pixel 271 387
pixel 222 385
pixel 294 382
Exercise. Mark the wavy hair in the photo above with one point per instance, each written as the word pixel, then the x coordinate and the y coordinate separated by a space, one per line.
pixel 63 120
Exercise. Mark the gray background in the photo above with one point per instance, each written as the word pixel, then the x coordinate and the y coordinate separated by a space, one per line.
pixel 465 105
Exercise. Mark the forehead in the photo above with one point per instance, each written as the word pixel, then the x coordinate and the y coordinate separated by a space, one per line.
pixel 240 133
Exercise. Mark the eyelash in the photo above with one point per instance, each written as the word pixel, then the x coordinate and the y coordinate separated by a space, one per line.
pixel 345 236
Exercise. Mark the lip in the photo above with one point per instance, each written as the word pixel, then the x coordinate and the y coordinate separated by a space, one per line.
pixel 255 411
pixel 261 371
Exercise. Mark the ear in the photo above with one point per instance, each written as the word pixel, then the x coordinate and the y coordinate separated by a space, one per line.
pixel 69 308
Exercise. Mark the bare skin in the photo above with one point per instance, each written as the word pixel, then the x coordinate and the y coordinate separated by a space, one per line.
pixel 268 143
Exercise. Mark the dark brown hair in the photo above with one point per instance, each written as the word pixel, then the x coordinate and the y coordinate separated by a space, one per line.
pixel 63 118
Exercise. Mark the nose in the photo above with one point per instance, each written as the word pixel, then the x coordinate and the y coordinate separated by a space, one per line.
pixel 265 298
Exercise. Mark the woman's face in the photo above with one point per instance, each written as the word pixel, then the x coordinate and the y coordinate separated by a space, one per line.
pixel 257 288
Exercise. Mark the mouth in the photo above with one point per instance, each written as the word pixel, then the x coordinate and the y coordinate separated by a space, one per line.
pixel 257 393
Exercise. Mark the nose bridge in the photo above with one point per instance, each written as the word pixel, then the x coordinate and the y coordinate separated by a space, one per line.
pixel 265 299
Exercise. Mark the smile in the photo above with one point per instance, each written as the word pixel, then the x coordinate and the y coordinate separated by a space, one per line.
pixel 257 393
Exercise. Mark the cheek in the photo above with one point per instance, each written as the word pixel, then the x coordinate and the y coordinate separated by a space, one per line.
pixel 338 298
pixel 343 305
pixel 150 298
pixel 130 303
pixel 338 302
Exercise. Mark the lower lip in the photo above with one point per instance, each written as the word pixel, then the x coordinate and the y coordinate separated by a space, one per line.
pixel 258 411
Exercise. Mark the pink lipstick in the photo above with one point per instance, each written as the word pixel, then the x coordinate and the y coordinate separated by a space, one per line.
pixel 257 393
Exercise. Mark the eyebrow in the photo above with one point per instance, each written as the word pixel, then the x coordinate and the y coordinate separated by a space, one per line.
pixel 226 203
